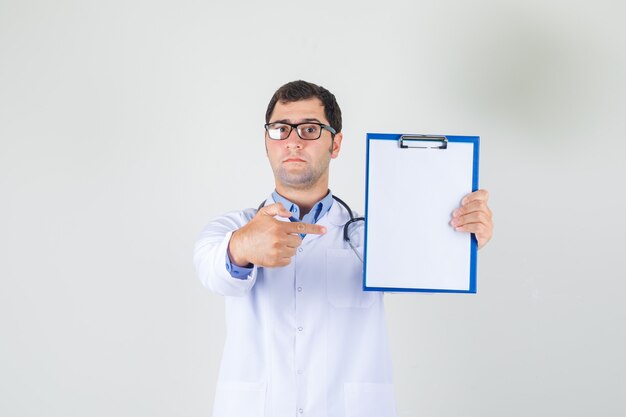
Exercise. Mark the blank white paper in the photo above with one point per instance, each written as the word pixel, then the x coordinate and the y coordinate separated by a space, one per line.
pixel 411 196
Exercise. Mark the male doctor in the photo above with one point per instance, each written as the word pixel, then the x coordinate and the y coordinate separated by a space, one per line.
pixel 303 338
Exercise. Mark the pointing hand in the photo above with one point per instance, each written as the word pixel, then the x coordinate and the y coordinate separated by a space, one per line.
pixel 265 241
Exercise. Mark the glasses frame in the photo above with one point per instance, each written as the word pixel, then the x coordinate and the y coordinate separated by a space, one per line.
pixel 332 131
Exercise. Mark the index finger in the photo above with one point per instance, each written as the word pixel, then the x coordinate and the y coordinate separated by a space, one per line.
pixel 479 195
pixel 305 228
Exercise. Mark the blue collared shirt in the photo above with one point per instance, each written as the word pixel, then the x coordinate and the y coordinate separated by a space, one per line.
pixel 317 211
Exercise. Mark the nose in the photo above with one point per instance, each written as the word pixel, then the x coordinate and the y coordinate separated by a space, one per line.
pixel 293 140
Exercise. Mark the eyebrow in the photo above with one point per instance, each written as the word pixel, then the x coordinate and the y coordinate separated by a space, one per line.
pixel 302 121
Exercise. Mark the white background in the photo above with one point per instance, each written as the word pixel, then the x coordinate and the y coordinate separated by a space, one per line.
pixel 126 125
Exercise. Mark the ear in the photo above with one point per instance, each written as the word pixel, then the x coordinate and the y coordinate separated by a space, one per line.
pixel 336 146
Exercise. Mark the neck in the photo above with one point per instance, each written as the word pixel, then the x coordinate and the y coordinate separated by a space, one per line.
pixel 304 198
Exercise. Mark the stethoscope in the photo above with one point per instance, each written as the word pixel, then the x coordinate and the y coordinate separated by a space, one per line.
pixel 346 226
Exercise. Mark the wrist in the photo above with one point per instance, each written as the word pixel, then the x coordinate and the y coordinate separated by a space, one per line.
pixel 234 252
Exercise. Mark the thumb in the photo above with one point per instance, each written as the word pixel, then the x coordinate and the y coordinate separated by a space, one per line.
pixel 275 209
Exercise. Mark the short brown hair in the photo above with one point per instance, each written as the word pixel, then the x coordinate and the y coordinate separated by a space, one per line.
pixel 302 90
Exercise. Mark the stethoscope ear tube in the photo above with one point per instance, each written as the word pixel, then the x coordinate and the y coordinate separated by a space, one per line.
pixel 348 223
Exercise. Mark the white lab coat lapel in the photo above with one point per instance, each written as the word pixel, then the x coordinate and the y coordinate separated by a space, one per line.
pixel 336 216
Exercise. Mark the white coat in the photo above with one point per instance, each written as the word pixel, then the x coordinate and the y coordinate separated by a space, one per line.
pixel 304 339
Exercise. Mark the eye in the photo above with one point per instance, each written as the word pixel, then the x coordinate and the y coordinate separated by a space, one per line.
pixel 278 131
pixel 310 128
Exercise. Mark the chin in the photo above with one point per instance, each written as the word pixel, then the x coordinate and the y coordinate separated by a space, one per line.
pixel 301 181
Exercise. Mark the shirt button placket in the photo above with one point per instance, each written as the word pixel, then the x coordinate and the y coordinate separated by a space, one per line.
pixel 300 383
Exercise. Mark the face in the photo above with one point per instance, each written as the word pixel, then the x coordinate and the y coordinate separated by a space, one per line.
pixel 301 164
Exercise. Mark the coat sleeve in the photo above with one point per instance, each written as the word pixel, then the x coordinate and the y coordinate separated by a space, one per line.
pixel 209 255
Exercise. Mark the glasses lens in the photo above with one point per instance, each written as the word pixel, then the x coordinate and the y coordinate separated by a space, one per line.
pixel 278 131
pixel 309 131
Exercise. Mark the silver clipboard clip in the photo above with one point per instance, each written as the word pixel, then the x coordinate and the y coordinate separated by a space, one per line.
pixel 423 142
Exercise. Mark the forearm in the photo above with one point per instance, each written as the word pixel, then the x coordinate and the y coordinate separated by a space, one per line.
pixel 210 257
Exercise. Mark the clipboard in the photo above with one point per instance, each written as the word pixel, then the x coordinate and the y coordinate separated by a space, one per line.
pixel 413 184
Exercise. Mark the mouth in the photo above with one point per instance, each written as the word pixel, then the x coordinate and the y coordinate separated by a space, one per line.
pixel 293 159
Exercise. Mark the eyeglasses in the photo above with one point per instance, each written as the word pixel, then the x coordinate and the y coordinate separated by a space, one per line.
pixel 306 131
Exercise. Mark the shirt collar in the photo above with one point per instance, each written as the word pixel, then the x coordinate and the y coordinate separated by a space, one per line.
pixel 319 209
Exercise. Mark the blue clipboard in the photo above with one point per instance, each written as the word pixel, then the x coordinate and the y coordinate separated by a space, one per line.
pixel 413 184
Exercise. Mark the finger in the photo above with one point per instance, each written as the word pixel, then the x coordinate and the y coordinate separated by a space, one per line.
pixel 276 261
pixel 280 262
pixel 277 253
pixel 471 207
pixel 475 217
pixel 482 195
pixel 286 252
pixel 275 209
pixel 472 226
pixel 480 231
pixel 284 255
pixel 293 240
pixel 305 228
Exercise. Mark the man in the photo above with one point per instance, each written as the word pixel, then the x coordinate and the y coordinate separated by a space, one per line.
pixel 303 338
